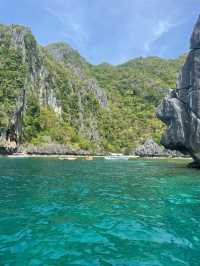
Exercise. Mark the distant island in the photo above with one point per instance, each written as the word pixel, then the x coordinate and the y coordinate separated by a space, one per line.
pixel 52 98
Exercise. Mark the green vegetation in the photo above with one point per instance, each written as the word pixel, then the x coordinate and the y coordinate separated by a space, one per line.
pixel 12 79
pixel 134 89
pixel 58 77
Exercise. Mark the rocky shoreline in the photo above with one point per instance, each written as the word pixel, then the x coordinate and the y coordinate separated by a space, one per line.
pixel 149 150
pixel 93 157
pixel 51 149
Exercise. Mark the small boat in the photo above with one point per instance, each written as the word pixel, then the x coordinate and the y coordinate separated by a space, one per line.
pixel 69 158
pixel 116 157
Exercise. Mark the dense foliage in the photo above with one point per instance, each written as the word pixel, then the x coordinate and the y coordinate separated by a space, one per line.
pixel 12 77
pixel 134 90
pixel 131 92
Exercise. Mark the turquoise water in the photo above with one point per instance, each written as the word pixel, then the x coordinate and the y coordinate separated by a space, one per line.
pixel 131 213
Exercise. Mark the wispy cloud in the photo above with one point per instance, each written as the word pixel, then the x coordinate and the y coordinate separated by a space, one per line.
pixel 162 27
pixel 114 30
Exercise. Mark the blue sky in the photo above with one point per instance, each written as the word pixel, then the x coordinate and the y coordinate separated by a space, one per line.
pixel 112 31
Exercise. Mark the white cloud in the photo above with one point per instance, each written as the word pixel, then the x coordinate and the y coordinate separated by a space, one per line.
pixel 162 27
pixel 116 30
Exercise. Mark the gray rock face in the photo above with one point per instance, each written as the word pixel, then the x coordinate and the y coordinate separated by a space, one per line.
pixel 172 153
pixel 195 39
pixel 149 149
pixel 180 110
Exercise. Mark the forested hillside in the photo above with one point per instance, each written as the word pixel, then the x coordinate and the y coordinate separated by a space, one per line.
pixel 53 95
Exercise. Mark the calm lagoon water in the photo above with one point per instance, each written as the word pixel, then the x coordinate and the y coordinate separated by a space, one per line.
pixel 131 213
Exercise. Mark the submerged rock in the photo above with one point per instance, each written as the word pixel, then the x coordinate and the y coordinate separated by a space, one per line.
pixel 180 110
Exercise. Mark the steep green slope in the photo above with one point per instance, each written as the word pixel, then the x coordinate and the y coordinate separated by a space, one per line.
pixel 134 89
pixel 62 52
pixel 52 95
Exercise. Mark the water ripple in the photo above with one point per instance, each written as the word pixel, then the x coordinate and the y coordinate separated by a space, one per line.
pixel 133 213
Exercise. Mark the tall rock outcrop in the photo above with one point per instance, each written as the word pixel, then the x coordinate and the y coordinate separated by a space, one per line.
pixel 149 149
pixel 180 110
pixel 22 73
pixel 35 78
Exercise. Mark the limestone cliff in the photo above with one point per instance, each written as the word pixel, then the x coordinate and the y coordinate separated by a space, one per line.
pixel 180 110
pixel 31 74
pixel 36 78
pixel 72 60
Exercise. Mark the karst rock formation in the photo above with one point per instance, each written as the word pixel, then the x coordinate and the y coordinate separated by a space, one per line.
pixel 180 110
